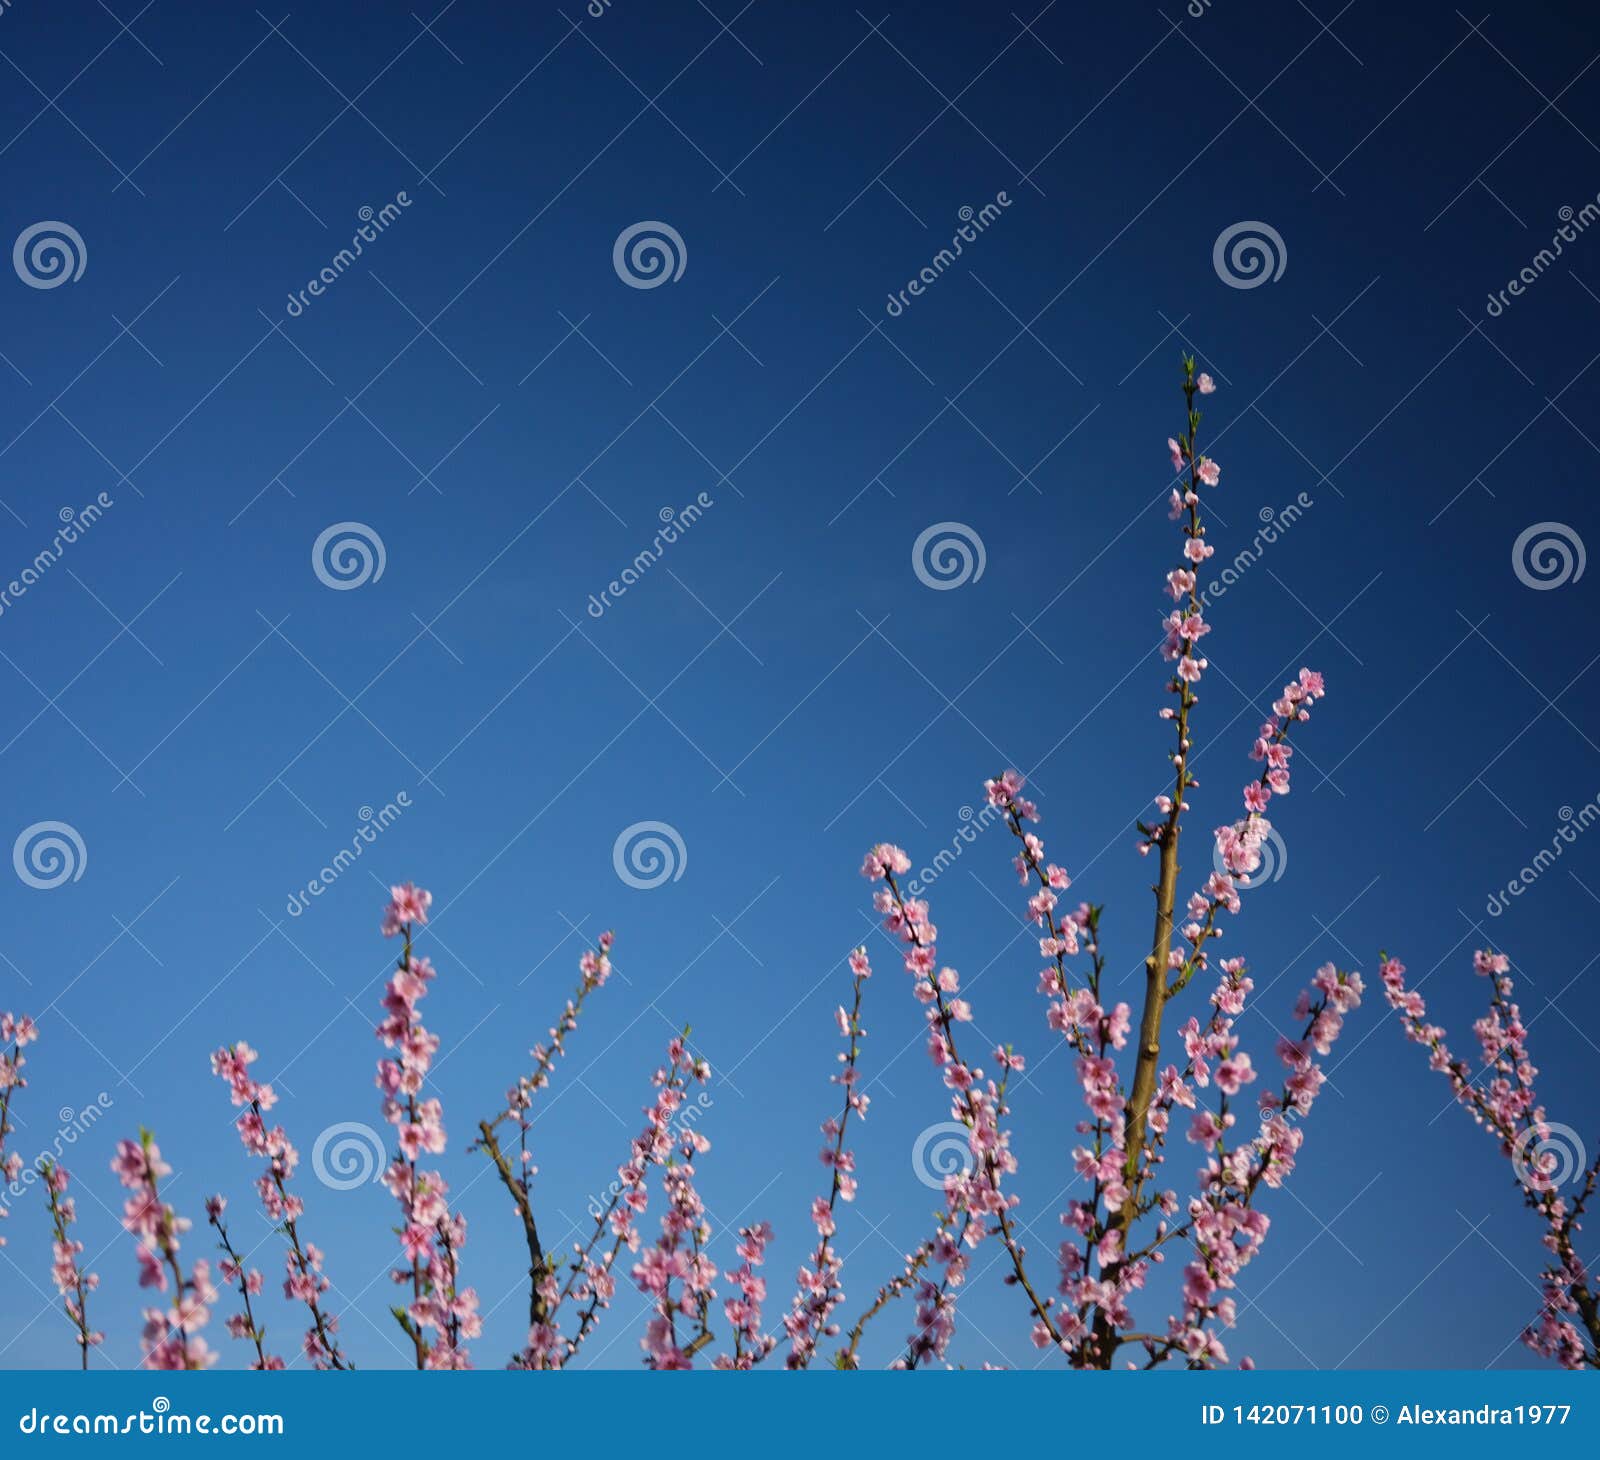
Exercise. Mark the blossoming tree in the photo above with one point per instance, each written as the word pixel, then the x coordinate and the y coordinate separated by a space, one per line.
pixel 1145 1080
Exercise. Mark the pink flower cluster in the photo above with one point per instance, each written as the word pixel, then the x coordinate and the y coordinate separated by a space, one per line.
pixel 1100 1266
pixel 1507 1105
pixel 304 1281
pixel 1238 845
pixel 431 1236
pixel 249 1283
pixel 973 1196
pixel 1185 625
pixel 810 1315
pixel 679 1255
pixel 171 1337
pixel 743 1312
pixel 591 1281
pixel 16 1031
pixel 1224 1226
pixel 72 1282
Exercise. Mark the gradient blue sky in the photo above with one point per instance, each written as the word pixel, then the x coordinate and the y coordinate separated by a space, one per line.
pixel 485 394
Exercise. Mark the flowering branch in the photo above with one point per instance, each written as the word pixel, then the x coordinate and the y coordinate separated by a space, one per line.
pixel 847 1357
pixel 242 1324
pixel 1543 1157
pixel 591 1282
pixel 1124 1137
pixel 750 1344
pixel 171 1339
pixel 594 968
pixel 1185 629
pixel 979 1106
pixel 16 1031
pixel 305 1282
pixel 71 1281
pixel 820 1293
pixel 431 1237
pixel 678 1254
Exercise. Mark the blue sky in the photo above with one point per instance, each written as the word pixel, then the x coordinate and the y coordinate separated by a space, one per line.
pixel 483 393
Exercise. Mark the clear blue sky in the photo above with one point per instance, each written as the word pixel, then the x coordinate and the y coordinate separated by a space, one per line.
pixel 482 391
